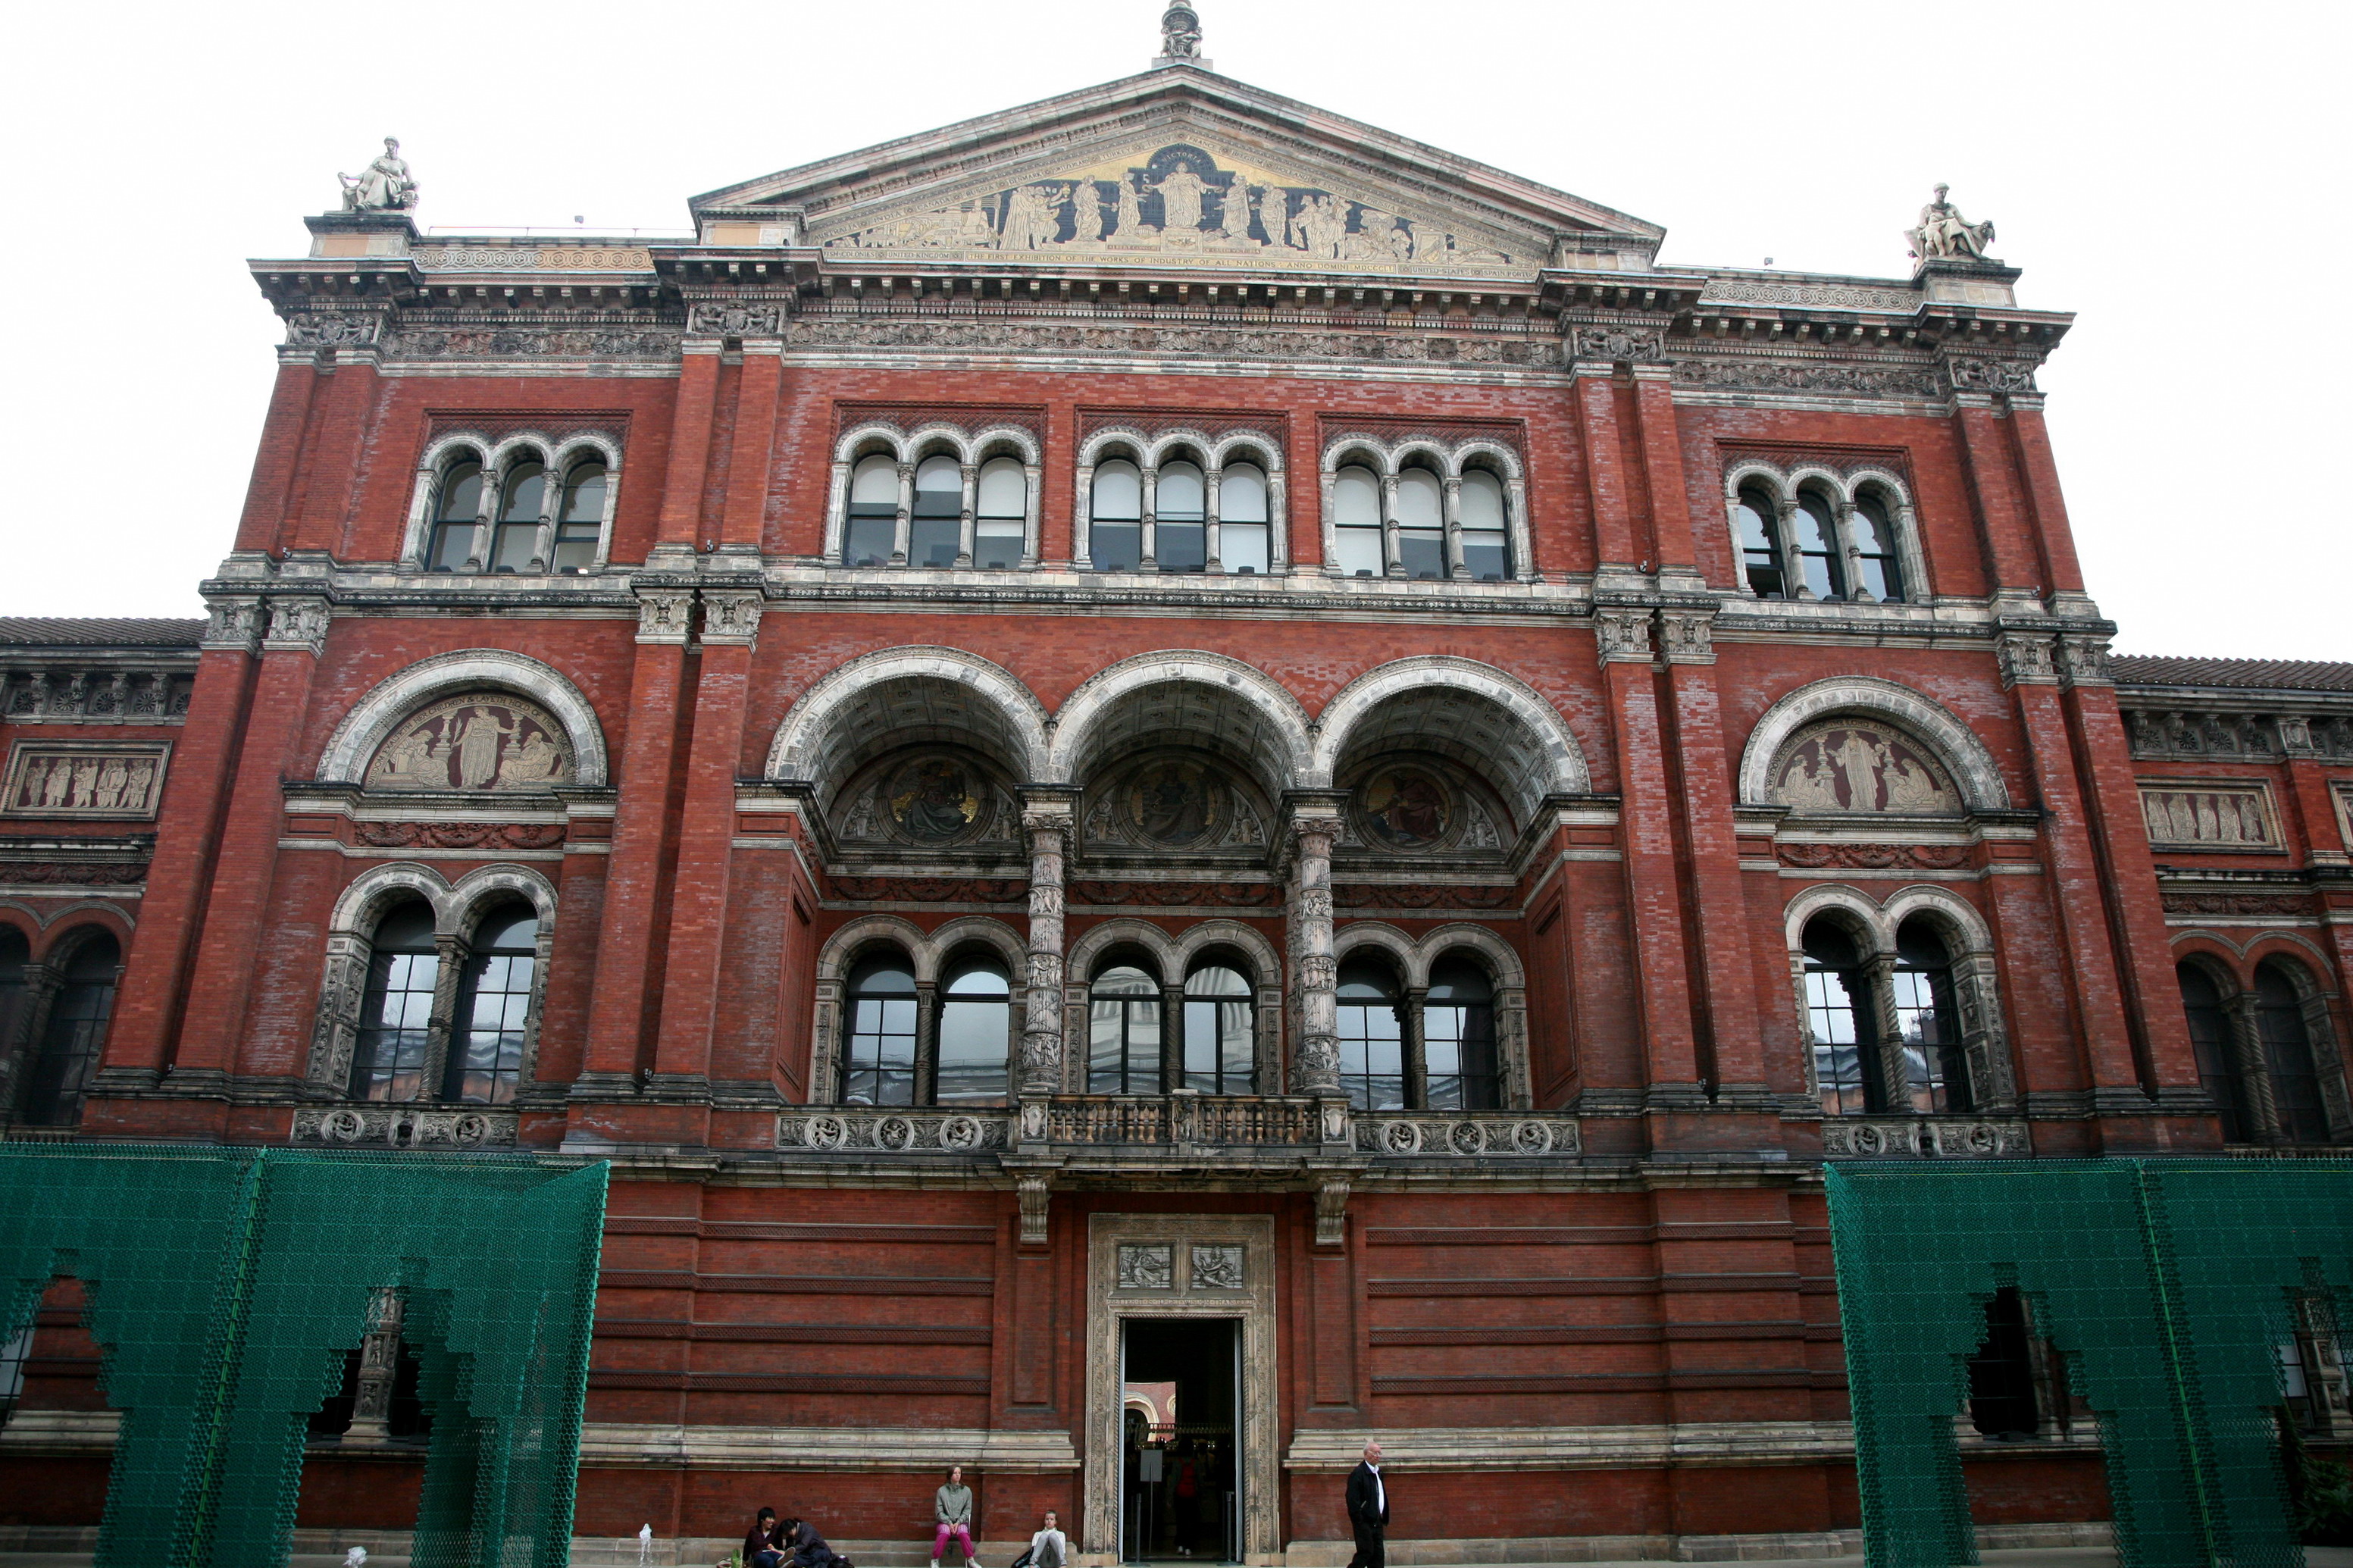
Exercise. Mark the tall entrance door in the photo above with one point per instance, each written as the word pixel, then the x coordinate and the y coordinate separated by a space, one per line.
pixel 1180 1401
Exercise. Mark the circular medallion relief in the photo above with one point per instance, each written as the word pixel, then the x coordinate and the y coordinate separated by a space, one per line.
pixel 1173 802
pixel 483 740
pixel 936 800
pixel 1402 806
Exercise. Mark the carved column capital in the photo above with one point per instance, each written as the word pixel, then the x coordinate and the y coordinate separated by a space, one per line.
pixel 1625 635
pixel 665 614
pixel 2083 661
pixel 232 623
pixel 298 624
pixel 1686 637
pixel 2027 659
pixel 731 617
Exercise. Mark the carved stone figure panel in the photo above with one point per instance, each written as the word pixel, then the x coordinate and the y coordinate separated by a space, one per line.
pixel 85 779
pixel 2208 817
pixel 488 741
pixel 1185 203
pixel 1416 804
pixel 930 799
pixel 1180 801
pixel 1853 765
pixel 1218 1268
pixel 1147 1268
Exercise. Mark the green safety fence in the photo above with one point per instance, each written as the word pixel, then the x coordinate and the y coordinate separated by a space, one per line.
pixel 225 1287
pixel 2167 1286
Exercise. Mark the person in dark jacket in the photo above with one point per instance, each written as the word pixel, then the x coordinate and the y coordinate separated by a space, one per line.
pixel 763 1543
pixel 808 1547
pixel 1368 1511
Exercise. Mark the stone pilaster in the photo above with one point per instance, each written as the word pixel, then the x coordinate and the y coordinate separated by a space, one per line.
pixel 1047 826
pixel 1314 972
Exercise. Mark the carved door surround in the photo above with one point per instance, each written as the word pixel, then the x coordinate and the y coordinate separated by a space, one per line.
pixel 1165 1278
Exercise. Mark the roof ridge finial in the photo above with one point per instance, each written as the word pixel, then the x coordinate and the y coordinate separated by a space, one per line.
pixel 1180 37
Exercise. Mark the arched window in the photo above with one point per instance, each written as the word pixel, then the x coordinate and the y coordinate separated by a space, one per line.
pixel 1372 1037
pixel 1115 518
pixel 1760 546
pixel 396 1033
pixel 878 1049
pixel 1458 1038
pixel 976 1033
pixel 515 545
pixel 1245 535
pixel 872 524
pixel 1846 1058
pixel 75 1035
pixel 2287 1053
pixel 2217 1056
pixel 1001 523
pixel 1356 521
pixel 455 513
pixel 580 521
pixel 1123 1033
pixel 1486 526
pixel 1818 551
pixel 1928 1021
pixel 15 953
pixel 936 536
pixel 1874 551
pixel 1220 1030
pixel 1180 518
pixel 494 1008
pixel 1422 523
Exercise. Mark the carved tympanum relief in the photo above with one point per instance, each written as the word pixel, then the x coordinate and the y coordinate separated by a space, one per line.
pixel 1173 801
pixel 931 799
pixel 1421 805
pixel 103 779
pixel 1183 202
pixel 487 741
pixel 1852 765
pixel 2208 817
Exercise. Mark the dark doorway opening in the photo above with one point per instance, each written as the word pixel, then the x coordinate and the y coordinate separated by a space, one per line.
pixel 1180 1431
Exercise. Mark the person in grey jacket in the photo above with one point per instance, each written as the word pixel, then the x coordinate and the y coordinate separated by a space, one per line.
pixel 1049 1548
pixel 952 1517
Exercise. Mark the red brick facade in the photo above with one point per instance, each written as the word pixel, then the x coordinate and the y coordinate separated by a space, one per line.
pixel 1628 1250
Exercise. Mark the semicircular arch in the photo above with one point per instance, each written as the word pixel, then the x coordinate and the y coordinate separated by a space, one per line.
pixel 373 717
pixel 1536 745
pixel 922 690
pixel 1202 693
pixel 1966 758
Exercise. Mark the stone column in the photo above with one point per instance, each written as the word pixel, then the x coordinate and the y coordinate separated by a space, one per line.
pixel 903 526
pixel 379 1366
pixel 1455 565
pixel 1392 552
pixel 1314 972
pixel 1047 824
pixel 969 516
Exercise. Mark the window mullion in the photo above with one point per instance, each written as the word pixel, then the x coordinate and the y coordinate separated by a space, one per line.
pixel 970 474
pixel 1392 550
pixel 925 1089
pixel 2244 1013
pixel 1793 560
pixel 1148 522
pixel 1213 504
pixel 1858 585
pixel 1416 1058
pixel 902 524
pixel 1876 1012
pixel 1455 565
pixel 441 1028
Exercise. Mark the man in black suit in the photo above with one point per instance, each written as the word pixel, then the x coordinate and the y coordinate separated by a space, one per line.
pixel 1368 1511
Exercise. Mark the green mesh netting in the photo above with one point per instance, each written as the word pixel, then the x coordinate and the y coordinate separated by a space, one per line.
pixel 2165 1285
pixel 226 1285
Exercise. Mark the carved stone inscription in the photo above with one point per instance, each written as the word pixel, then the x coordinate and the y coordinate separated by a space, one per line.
pixel 2208 817
pixel 1185 202
pixel 482 740
pixel 97 779
pixel 1848 765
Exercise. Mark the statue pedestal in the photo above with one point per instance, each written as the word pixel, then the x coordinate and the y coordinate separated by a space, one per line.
pixel 1967 281
pixel 376 233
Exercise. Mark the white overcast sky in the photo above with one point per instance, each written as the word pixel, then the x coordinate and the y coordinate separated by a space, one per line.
pixel 2175 174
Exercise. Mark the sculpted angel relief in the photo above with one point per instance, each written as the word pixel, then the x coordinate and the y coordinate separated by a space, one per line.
pixel 481 741
pixel 1850 766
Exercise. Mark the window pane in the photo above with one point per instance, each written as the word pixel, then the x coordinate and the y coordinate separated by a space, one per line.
pixel 1243 547
pixel 1875 542
pixel 1356 499
pixel 1486 557
pixel 75 1035
pixel 1817 548
pixel 1482 504
pixel 879 1047
pixel 2218 1063
pixel 493 1007
pixel 583 494
pixel 1004 490
pixel 396 1010
pixel 461 494
pixel 934 541
pixel 1760 555
pixel 1182 546
pixel 1119 493
pixel 575 546
pixel 975 1037
pixel 2287 1057
pixel 452 546
pixel 1422 553
pixel 875 482
pixel 870 540
pixel 514 545
pixel 1421 499
pixel 1372 1055
pixel 997 543
pixel 526 492
pixel 1178 493
pixel 1842 1061
pixel 1218 1045
pixel 1359 551
pixel 1242 494
pixel 939 482
pixel 1116 546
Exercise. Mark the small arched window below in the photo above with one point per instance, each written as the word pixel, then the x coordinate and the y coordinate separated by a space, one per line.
pixel 1760 546
pixel 396 1033
pixel 515 545
pixel 878 1048
pixel 1180 518
pixel 1486 535
pixel 75 1034
pixel 15 953
pixel 2217 1057
pixel 872 526
pixel 1422 523
pixel 1123 1033
pixel 1001 523
pixel 1356 521
pixel 1874 551
pixel 935 534
pixel 455 511
pixel 1458 1038
pixel 580 523
pixel 1115 518
pixel 1818 551
pixel 1846 1055
pixel 2286 1039
pixel 494 1008
pixel 1244 535
pixel 975 1034
pixel 1220 1045
pixel 1929 1018
pixel 1372 1037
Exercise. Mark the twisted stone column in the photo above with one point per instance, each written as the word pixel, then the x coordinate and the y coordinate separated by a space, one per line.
pixel 1316 1053
pixel 1048 828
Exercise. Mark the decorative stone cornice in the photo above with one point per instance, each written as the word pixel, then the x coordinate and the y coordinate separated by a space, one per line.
pixel 1614 344
pixel 334 328
pixel 736 318
pixel 1979 373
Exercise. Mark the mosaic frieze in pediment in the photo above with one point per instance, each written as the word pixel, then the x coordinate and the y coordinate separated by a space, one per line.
pixel 930 799
pixel 1420 805
pixel 1174 802
pixel 1181 203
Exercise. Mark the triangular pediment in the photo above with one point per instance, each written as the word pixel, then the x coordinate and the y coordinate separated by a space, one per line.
pixel 1183 168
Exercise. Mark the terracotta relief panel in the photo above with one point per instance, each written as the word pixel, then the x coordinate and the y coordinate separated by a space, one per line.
pixel 2208 817
pixel 487 742
pixel 89 779
pixel 1857 767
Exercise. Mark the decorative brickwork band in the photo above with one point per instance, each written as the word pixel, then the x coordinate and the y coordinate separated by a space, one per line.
pixel 1048 828
pixel 1315 1063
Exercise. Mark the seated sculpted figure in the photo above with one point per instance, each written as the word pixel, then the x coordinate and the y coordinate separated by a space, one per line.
pixel 1943 232
pixel 382 186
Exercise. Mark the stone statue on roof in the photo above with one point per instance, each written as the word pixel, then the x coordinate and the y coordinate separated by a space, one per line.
pixel 382 186
pixel 1944 235
pixel 1180 33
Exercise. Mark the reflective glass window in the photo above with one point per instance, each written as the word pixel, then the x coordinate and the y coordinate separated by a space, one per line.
pixel 397 1009
pixel 1372 1037
pixel 1244 535
pixel 1761 549
pixel 75 1035
pixel 1929 1016
pixel 1123 1033
pixel 1180 514
pixel 874 520
pixel 1001 521
pixel 1486 537
pixel 460 504
pixel 878 1064
pixel 1356 521
pixel 1837 1008
pixel 2218 1060
pixel 1220 1049
pixel 2286 1040
pixel 581 520
pixel 1458 1038
pixel 1115 525
pixel 1422 523
pixel 515 543
pixel 494 1008
pixel 936 536
pixel 1818 551
pixel 975 1034
pixel 1874 549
